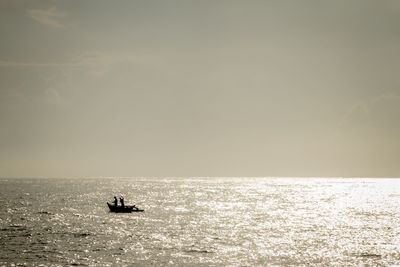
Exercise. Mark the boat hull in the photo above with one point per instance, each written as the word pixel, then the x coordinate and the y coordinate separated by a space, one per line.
pixel 125 209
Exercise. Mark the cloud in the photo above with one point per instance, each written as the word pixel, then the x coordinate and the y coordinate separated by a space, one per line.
pixel 50 17
pixel 365 108
pixel 87 59
pixel 93 62
pixel 96 63
pixel 4 63
pixel 84 60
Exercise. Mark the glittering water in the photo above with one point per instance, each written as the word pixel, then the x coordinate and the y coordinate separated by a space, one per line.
pixel 210 221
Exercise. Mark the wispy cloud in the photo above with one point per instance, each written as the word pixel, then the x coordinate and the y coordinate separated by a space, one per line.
pixel 50 17
pixel 4 63
pixel 365 107
pixel 98 63
pixel 92 62
pixel 87 59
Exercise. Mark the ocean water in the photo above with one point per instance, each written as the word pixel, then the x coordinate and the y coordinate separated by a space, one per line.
pixel 201 222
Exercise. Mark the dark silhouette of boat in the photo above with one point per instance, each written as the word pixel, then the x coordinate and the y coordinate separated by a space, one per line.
pixel 126 208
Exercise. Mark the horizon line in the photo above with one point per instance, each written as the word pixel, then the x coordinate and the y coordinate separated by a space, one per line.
pixel 197 177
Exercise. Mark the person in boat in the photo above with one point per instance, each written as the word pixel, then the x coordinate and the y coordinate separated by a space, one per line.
pixel 115 201
pixel 121 199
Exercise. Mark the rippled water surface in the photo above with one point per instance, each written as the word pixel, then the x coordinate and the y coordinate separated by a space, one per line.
pixel 210 221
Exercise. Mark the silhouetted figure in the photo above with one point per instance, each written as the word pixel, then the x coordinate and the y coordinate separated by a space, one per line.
pixel 115 201
pixel 121 199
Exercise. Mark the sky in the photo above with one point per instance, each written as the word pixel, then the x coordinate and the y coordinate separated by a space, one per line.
pixel 200 88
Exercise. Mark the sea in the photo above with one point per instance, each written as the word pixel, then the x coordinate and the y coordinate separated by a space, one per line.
pixel 200 222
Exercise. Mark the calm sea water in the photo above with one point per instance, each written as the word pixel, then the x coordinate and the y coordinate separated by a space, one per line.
pixel 196 221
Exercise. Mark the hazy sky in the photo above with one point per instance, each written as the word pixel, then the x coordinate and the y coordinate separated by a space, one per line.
pixel 200 88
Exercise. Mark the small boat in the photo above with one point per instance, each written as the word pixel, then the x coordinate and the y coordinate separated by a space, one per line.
pixel 126 208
